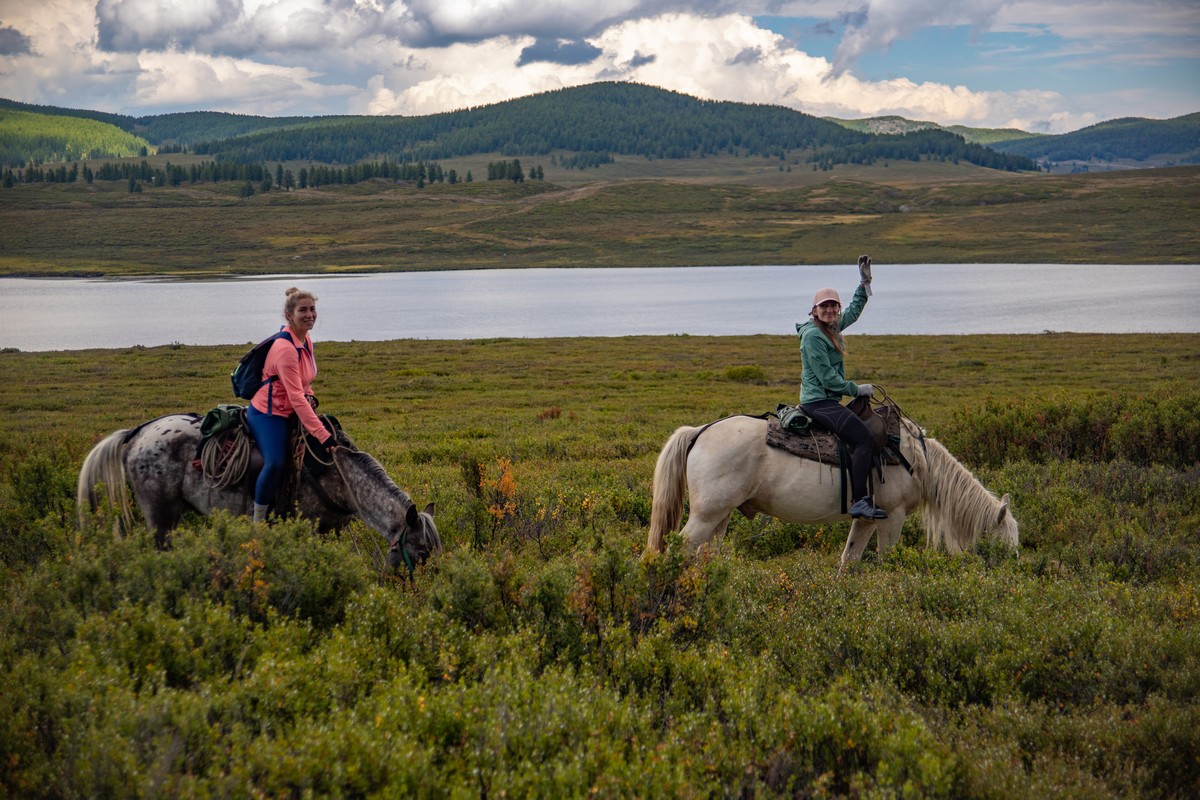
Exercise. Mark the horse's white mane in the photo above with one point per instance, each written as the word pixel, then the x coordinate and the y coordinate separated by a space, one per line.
pixel 956 507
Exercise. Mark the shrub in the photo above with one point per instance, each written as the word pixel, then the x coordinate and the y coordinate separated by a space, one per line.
pixel 1104 428
pixel 746 374
pixel 37 504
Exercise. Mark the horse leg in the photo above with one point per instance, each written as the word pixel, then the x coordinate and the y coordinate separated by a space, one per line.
pixel 701 528
pixel 856 542
pixel 887 532
pixel 161 510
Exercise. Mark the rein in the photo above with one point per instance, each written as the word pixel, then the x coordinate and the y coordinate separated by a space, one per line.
pixel 332 504
pixel 886 399
pixel 310 452
pixel 322 495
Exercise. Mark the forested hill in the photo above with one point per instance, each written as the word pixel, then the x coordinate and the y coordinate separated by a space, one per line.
pixel 618 118
pixel 27 137
pixel 590 124
pixel 1128 138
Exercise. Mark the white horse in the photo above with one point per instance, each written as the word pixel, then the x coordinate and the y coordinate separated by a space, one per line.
pixel 731 466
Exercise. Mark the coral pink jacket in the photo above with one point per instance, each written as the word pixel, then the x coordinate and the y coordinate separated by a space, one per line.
pixel 296 366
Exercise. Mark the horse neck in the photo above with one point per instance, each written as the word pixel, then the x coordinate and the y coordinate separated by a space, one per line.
pixel 374 496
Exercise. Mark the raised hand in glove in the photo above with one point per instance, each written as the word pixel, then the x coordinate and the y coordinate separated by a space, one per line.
pixel 864 273
pixel 866 390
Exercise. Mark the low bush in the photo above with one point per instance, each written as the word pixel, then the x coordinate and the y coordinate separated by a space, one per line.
pixel 540 655
pixel 1141 430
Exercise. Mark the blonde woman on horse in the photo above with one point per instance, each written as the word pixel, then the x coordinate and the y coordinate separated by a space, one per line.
pixel 823 383
pixel 288 375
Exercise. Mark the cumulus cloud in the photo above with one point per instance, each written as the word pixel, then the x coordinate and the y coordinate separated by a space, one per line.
pixel 426 56
pixel 176 79
pixel 134 25
pixel 13 42
pixel 558 52
pixel 725 58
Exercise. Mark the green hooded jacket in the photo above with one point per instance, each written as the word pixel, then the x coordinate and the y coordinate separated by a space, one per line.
pixel 822 376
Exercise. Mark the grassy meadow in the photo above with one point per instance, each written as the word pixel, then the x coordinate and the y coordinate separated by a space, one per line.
pixel 636 212
pixel 538 656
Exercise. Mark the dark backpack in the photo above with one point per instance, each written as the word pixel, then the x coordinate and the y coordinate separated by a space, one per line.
pixel 247 375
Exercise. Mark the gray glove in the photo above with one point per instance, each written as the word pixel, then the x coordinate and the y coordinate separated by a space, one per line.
pixel 864 273
pixel 866 390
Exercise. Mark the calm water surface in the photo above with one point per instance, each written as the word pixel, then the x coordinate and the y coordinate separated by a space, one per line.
pixel 69 314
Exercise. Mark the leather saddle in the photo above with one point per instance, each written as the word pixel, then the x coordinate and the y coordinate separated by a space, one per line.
pixel 818 445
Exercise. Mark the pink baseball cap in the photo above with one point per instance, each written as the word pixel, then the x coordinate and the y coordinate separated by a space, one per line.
pixel 823 295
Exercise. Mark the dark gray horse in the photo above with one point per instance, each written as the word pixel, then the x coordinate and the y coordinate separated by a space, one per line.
pixel 158 461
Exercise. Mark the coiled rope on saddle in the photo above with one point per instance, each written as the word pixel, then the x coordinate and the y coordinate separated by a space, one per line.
pixel 224 460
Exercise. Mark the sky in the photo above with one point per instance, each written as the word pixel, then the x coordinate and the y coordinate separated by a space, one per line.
pixel 1048 66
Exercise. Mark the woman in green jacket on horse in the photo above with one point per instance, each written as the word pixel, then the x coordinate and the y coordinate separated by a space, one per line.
pixel 823 383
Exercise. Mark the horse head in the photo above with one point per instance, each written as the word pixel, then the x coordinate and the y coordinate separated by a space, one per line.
pixel 414 541
pixel 1005 528
pixel 372 495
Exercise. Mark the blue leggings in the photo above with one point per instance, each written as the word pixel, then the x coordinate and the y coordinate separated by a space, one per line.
pixel 837 419
pixel 271 433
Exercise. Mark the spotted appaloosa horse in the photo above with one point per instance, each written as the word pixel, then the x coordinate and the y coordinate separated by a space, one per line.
pixel 155 460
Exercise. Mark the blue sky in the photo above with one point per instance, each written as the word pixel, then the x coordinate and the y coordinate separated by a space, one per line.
pixel 1050 66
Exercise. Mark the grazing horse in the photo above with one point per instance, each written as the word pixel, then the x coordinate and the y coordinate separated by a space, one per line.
pixel 158 459
pixel 730 466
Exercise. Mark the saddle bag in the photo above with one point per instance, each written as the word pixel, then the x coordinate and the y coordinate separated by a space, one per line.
pixel 792 418
pixel 220 419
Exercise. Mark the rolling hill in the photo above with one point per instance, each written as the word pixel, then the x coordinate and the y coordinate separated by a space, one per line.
pixel 28 137
pixel 1132 139
pixel 899 125
pixel 588 122
pixel 601 119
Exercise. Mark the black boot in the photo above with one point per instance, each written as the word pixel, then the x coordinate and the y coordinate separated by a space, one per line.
pixel 864 508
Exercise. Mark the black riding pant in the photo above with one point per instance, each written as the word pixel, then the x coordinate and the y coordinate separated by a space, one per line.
pixel 846 425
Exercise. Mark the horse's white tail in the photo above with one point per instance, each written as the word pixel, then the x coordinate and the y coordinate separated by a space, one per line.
pixel 670 479
pixel 105 465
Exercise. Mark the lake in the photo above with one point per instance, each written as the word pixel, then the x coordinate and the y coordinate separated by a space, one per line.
pixel 70 314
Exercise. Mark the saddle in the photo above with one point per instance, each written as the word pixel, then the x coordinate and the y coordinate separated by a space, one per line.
pixel 228 455
pixel 818 445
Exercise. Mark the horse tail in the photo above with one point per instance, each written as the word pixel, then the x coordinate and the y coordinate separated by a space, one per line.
pixel 105 464
pixel 670 478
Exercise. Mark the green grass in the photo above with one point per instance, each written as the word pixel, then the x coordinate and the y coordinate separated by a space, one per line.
pixel 539 657
pixel 655 213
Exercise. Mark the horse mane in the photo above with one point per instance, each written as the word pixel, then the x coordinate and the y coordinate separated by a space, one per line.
pixel 377 478
pixel 374 471
pixel 956 507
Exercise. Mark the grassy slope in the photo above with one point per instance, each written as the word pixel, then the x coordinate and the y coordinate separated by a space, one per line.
pixel 634 213
pixel 895 124
pixel 640 386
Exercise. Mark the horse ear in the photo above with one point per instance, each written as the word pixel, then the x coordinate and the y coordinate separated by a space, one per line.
pixel 1003 509
pixel 412 519
pixel 429 509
